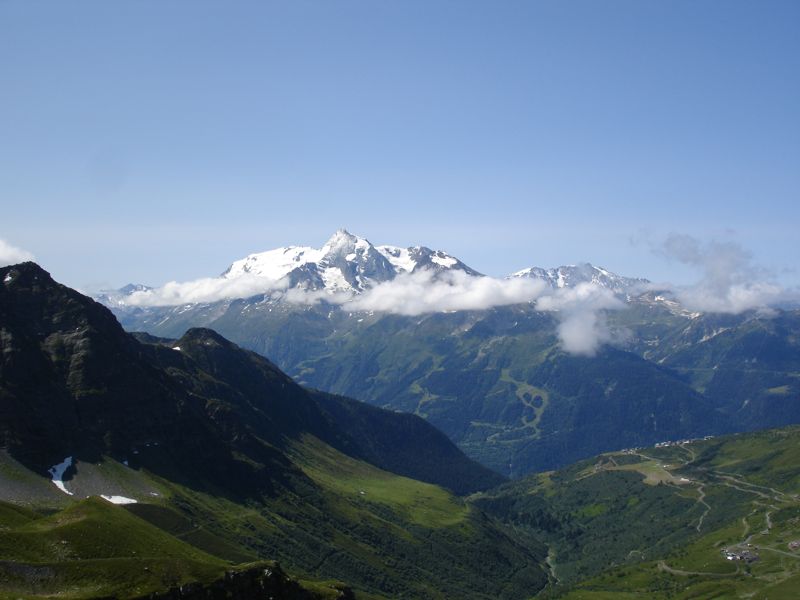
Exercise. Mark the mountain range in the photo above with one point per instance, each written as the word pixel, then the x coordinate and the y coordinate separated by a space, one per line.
pixel 186 434
pixel 352 264
pixel 497 380
pixel 136 466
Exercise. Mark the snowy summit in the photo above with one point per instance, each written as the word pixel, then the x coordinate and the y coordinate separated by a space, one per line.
pixel 345 263
pixel 348 265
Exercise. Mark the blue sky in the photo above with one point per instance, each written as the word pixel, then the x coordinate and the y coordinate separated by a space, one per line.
pixel 147 141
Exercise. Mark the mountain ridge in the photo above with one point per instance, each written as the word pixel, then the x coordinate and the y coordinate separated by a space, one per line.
pixel 214 444
pixel 63 352
pixel 348 263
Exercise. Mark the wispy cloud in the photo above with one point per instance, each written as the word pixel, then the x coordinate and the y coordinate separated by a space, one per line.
pixel 10 255
pixel 581 311
pixel 730 281
pixel 425 292
pixel 208 289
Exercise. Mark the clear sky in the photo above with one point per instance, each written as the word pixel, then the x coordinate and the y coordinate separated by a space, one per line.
pixel 154 140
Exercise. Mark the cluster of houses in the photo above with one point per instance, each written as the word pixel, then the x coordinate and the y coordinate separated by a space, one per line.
pixel 794 545
pixel 747 556
pixel 668 444
pixel 681 442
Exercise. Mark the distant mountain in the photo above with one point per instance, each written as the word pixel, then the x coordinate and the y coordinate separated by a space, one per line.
pixel 345 263
pixel 468 372
pixel 352 264
pixel 572 275
pixel 118 297
pixel 200 437
pixel 494 381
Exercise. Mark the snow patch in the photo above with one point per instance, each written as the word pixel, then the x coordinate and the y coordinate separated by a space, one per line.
pixel 443 261
pixel 274 264
pixel 57 474
pixel 178 348
pixel 7 278
pixel 334 279
pixel 118 499
pixel 713 334
pixel 399 258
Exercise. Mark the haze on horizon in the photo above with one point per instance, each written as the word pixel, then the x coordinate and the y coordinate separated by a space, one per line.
pixel 150 142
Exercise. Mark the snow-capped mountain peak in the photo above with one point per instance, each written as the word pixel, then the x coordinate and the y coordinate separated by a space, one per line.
pixel 273 264
pixel 406 260
pixel 572 275
pixel 345 262
pixel 115 298
pixel 351 264
pixel 343 240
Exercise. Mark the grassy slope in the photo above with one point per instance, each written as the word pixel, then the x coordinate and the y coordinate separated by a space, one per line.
pixel 399 538
pixel 750 484
pixel 94 548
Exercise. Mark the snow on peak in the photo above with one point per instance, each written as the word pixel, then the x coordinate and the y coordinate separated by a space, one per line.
pixel 342 239
pixel 346 262
pixel 117 297
pixel 406 260
pixel 400 258
pixel 568 276
pixel 443 260
pixel 273 264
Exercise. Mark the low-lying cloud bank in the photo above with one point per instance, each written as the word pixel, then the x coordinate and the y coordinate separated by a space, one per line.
pixel 11 255
pixel 582 328
pixel 730 282
pixel 425 292
pixel 205 290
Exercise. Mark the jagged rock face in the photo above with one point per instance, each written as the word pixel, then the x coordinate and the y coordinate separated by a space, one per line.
pixel 72 382
pixel 66 368
pixel 358 261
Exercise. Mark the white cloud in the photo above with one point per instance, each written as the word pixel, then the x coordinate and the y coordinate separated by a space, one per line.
pixel 309 297
pixel 425 292
pixel 208 289
pixel 581 312
pixel 11 255
pixel 730 282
